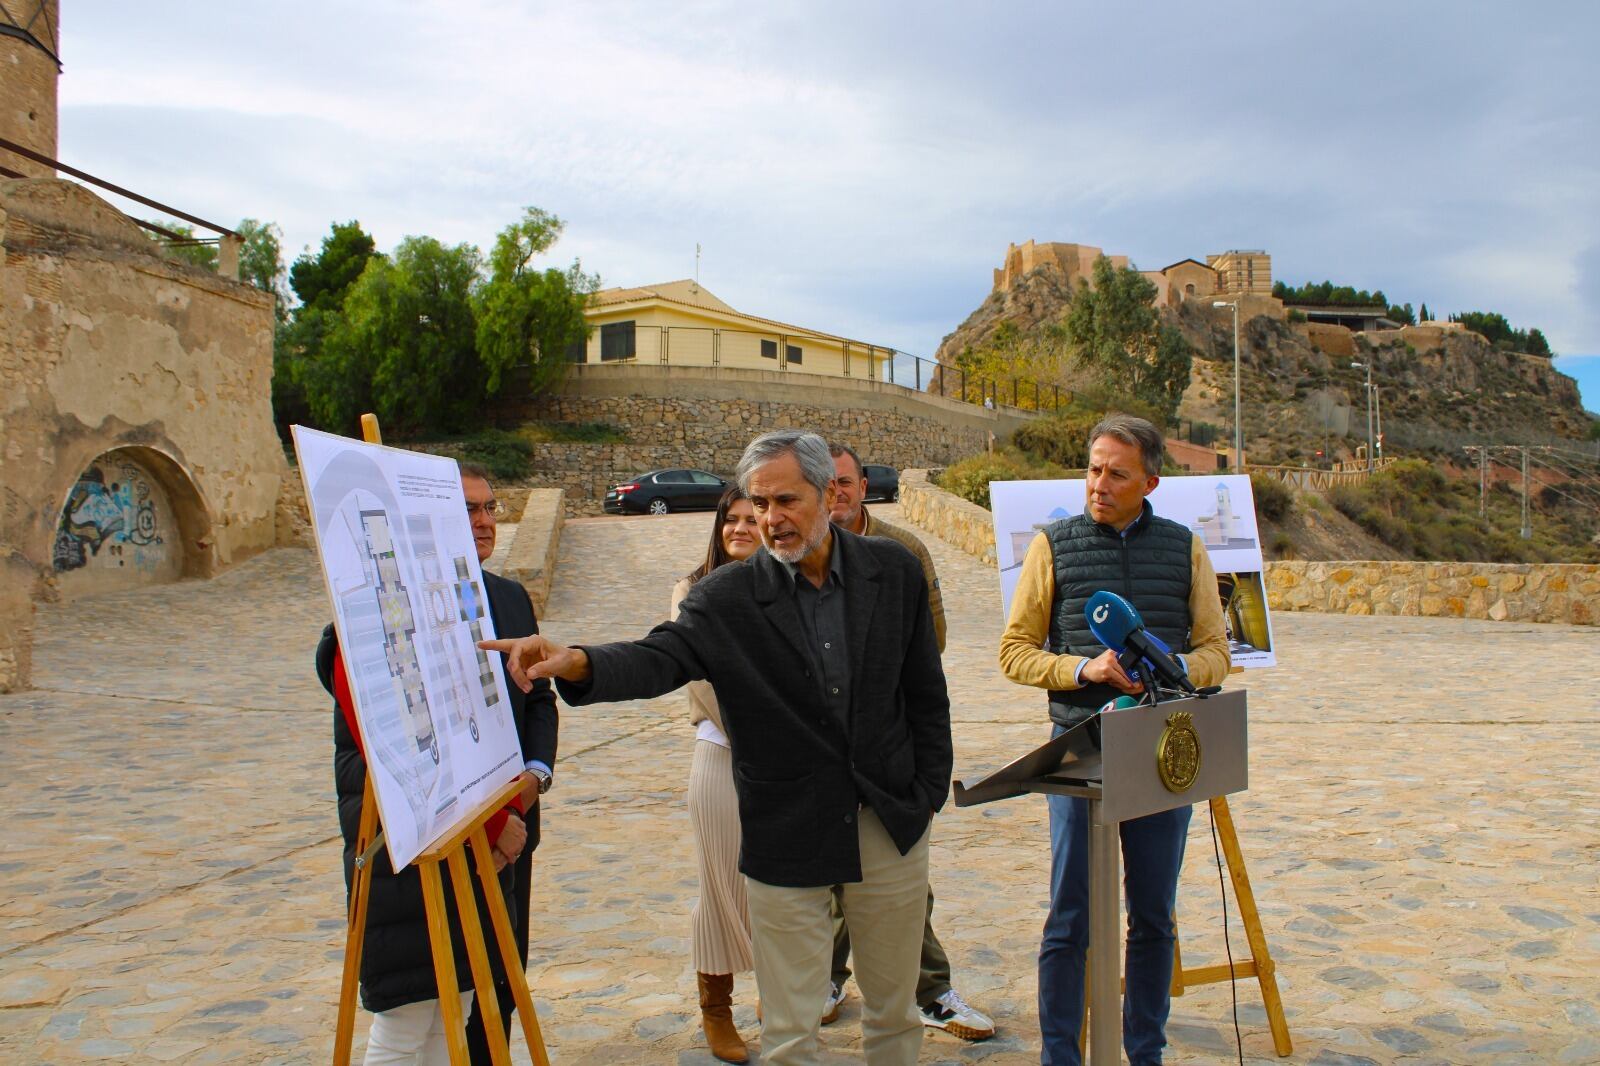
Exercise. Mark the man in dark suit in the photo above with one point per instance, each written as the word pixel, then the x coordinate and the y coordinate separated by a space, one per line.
pixel 533 711
pixel 822 654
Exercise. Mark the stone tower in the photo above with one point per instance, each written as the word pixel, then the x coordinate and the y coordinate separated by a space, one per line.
pixel 30 64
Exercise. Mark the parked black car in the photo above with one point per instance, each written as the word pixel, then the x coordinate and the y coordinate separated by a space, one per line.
pixel 663 491
pixel 883 482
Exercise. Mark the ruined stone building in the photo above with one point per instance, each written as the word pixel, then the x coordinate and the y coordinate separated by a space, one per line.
pixel 1233 273
pixel 136 434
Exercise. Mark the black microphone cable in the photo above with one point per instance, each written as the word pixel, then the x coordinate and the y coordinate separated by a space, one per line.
pixel 1222 885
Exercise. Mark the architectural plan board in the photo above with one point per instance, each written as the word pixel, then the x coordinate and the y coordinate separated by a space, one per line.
pixel 409 606
pixel 1219 508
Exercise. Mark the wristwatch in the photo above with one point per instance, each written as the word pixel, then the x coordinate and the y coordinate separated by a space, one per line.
pixel 544 778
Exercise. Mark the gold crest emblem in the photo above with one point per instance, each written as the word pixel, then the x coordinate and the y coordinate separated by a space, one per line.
pixel 1178 753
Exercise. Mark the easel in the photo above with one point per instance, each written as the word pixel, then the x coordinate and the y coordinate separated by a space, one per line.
pixel 450 851
pixel 1259 965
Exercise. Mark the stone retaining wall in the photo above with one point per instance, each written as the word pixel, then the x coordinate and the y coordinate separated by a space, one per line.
pixel 703 417
pixel 962 523
pixel 532 556
pixel 1502 592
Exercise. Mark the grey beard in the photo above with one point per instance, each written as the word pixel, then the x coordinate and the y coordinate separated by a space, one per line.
pixel 793 556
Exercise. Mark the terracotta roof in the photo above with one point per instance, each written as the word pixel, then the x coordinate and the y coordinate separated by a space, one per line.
pixel 691 294
pixel 686 291
pixel 1180 262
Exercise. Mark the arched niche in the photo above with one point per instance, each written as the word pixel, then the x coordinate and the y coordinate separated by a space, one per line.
pixel 132 517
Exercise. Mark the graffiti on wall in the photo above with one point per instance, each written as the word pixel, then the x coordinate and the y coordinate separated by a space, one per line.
pixel 115 517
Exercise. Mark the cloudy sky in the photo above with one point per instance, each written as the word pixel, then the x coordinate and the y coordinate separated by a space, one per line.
pixel 860 167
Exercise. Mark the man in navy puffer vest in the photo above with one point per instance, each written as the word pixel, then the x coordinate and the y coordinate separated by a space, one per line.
pixel 1120 545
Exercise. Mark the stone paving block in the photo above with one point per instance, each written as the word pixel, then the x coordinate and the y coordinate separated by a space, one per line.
pixel 1423 842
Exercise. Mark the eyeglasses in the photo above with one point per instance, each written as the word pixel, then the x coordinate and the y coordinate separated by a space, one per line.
pixel 490 508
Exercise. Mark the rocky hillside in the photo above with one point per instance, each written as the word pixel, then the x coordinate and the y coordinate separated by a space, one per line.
pixel 1038 297
pixel 1439 388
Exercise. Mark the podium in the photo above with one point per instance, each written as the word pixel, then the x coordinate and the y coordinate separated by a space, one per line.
pixel 1128 763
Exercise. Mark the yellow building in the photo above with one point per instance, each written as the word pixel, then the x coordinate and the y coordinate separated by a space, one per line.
pixel 680 323
pixel 1240 271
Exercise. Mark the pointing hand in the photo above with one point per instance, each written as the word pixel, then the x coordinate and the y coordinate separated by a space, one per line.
pixel 534 657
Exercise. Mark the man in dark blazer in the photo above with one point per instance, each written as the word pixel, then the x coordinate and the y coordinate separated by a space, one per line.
pixel 533 711
pixel 822 654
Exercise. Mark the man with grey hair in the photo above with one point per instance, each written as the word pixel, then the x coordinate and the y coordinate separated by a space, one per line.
pixel 1116 544
pixel 822 655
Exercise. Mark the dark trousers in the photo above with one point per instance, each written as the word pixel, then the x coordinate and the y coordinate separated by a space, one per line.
pixel 1152 856
pixel 518 904
pixel 934 979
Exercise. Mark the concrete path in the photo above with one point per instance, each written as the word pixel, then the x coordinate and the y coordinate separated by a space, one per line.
pixel 1423 833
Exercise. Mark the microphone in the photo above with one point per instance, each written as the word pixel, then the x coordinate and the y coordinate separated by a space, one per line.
pixel 1116 623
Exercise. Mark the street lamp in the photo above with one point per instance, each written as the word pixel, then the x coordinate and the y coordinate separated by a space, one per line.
pixel 1371 459
pixel 1238 427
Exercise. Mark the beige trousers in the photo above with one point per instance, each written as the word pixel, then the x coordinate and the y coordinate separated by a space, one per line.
pixel 792 932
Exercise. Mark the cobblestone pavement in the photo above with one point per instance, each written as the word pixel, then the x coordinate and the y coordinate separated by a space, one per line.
pixel 1422 836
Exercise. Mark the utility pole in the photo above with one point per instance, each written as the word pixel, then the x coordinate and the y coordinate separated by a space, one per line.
pixel 1483 481
pixel 1371 442
pixel 1238 426
pixel 1527 529
pixel 1377 404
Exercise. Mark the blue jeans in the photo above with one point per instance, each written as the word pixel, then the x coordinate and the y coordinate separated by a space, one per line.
pixel 1152 855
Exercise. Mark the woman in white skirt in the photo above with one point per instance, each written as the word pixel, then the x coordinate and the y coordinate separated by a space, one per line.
pixel 721 919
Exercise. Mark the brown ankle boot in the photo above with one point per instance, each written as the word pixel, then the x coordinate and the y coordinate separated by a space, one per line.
pixel 716 1017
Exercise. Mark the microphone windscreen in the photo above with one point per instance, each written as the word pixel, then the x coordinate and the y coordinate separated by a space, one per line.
pixel 1111 618
pixel 1120 703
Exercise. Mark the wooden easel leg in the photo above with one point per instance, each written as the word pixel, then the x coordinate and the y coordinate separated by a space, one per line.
pixel 355 937
pixel 1083 1021
pixel 444 961
pixel 1266 971
pixel 506 939
pixel 494 1029
pixel 1177 962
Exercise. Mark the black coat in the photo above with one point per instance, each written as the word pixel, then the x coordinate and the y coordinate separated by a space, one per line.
pixel 800 777
pixel 537 720
pixel 397 961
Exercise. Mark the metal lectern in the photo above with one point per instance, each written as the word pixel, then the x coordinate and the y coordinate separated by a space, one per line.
pixel 1127 763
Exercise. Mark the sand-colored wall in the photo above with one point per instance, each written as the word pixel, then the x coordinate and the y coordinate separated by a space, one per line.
pixel 108 346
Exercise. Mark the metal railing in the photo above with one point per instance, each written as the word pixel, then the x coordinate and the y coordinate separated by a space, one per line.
pixel 803 353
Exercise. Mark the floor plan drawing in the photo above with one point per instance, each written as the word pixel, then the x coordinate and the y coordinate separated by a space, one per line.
pixel 403 577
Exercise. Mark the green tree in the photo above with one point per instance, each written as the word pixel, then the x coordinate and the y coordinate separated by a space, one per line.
pixel 320 281
pixel 1402 314
pixel 187 248
pixel 529 317
pixel 1537 345
pixel 261 262
pixel 1328 294
pixel 1116 334
pixel 404 343
pixel 1425 315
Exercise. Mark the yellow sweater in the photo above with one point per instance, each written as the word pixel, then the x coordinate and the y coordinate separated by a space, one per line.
pixel 1025 660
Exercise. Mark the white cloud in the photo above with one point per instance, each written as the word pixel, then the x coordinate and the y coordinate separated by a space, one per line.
pixel 868 164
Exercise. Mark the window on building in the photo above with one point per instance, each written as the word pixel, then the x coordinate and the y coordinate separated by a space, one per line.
pixel 1188 290
pixel 769 349
pixel 616 341
pixel 792 353
pixel 578 351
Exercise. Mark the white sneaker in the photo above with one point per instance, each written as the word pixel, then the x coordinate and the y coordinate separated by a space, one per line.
pixel 957 1017
pixel 830 1009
